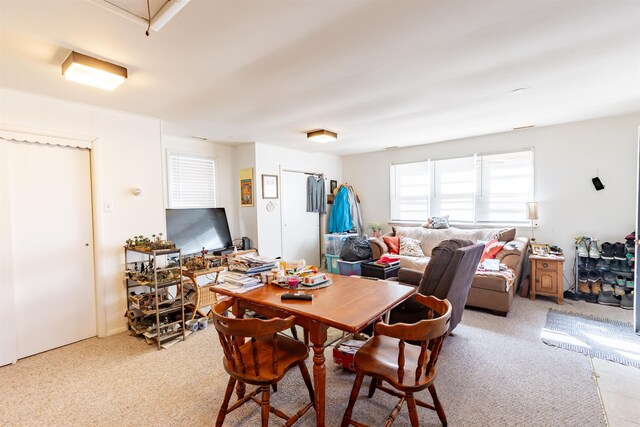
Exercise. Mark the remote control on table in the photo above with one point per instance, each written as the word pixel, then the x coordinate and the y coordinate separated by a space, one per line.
pixel 303 297
pixel 368 278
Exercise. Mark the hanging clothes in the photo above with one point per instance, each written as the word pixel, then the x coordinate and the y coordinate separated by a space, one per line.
pixel 316 195
pixel 354 207
pixel 340 217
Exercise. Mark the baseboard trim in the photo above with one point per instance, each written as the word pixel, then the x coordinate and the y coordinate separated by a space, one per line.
pixel 116 330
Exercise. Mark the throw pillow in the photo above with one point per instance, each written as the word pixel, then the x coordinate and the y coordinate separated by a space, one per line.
pixel 506 234
pixel 491 249
pixel 428 224
pixel 440 221
pixel 410 247
pixel 393 242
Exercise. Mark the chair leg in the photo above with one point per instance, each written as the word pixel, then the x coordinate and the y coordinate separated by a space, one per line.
pixel 222 413
pixel 266 391
pixel 413 413
pixel 294 333
pixel 357 383
pixel 438 405
pixel 307 380
pixel 274 386
pixel 372 386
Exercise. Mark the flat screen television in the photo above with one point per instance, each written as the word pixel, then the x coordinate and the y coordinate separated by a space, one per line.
pixel 194 229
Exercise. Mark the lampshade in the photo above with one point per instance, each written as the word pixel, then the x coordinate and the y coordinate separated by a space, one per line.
pixel 532 210
pixel 322 135
pixel 93 72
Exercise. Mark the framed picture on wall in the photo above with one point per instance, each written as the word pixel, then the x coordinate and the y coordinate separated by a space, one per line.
pixel 246 187
pixel 269 186
pixel 333 186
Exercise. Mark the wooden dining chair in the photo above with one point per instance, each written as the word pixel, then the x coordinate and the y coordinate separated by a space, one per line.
pixel 408 368
pixel 254 353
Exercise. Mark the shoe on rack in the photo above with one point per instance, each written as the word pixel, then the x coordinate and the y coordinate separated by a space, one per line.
pixel 624 267
pixel 583 287
pixel 591 263
pixel 630 247
pixel 606 250
pixel 631 236
pixel 626 301
pixel 596 288
pixel 594 275
pixel 594 252
pixel 620 280
pixel 583 250
pixel 629 282
pixel 608 277
pixel 583 275
pixel 619 251
pixel 606 296
pixel 602 264
pixel 615 266
pixel 618 290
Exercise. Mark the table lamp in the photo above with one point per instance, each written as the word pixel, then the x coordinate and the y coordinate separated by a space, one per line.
pixel 532 215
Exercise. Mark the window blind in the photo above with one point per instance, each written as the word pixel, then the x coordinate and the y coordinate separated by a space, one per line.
pixel 191 181
pixel 410 186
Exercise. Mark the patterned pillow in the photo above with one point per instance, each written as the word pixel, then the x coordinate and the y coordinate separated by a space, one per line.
pixel 440 221
pixel 410 247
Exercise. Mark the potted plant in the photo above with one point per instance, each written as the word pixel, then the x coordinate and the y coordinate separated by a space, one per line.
pixel 376 228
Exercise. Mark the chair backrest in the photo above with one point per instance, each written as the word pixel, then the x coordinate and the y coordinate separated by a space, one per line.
pixel 429 333
pixel 438 275
pixel 232 333
pixel 462 271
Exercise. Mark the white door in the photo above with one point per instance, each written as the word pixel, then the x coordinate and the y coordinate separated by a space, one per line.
pixel 52 246
pixel 300 229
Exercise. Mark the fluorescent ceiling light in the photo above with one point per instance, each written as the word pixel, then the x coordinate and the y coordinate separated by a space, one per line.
pixel 93 72
pixel 322 136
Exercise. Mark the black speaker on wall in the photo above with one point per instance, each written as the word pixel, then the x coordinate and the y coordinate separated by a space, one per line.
pixel 597 183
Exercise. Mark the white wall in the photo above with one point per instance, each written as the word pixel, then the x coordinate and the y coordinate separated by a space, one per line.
pixel 247 215
pixel 127 153
pixel 226 174
pixel 271 160
pixel 566 158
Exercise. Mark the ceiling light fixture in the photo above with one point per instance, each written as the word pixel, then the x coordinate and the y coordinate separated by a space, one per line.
pixel 322 136
pixel 93 72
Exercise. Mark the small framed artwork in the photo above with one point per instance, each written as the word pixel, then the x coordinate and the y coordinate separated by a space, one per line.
pixel 540 249
pixel 333 186
pixel 269 186
pixel 246 187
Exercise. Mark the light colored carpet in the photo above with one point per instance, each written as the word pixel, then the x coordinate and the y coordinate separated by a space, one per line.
pixel 495 371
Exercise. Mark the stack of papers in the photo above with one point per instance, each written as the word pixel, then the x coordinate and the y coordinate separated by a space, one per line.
pixel 241 280
pixel 351 346
pixel 251 263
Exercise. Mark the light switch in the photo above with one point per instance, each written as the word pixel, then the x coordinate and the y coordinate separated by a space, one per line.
pixel 108 206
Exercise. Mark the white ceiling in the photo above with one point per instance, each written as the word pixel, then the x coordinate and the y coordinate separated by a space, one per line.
pixel 380 73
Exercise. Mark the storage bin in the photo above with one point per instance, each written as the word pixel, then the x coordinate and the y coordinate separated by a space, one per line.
pixel 332 263
pixel 351 268
pixel 333 242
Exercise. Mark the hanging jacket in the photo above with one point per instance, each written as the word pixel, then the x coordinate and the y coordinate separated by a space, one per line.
pixel 356 215
pixel 340 217
pixel 316 195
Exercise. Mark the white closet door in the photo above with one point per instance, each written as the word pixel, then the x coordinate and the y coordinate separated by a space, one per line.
pixel 300 229
pixel 52 246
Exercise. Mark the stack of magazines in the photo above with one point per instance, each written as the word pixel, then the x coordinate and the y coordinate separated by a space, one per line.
pixel 238 282
pixel 251 263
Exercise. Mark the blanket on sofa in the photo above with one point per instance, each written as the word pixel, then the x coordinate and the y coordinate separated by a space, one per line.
pixel 507 274
pixel 430 238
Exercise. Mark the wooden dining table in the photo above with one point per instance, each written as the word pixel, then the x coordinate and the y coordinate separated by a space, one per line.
pixel 349 304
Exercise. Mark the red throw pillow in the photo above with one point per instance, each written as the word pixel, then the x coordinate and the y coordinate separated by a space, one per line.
pixel 393 242
pixel 491 249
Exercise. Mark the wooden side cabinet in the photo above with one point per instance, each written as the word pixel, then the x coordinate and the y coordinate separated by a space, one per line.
pixel 546 276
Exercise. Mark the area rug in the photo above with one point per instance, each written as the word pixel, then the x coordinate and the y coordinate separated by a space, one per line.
pixel 605 339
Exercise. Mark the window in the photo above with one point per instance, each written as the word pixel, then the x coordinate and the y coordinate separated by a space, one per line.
pixel 410 191
pixel 191 181
pixel 484 188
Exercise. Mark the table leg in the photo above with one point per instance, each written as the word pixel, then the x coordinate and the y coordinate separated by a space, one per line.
pixel 318 336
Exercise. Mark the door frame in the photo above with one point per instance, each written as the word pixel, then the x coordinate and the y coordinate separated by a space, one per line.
pixel 38 136
pixel 285 169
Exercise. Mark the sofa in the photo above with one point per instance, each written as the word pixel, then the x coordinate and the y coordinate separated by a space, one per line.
pixel 491 291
